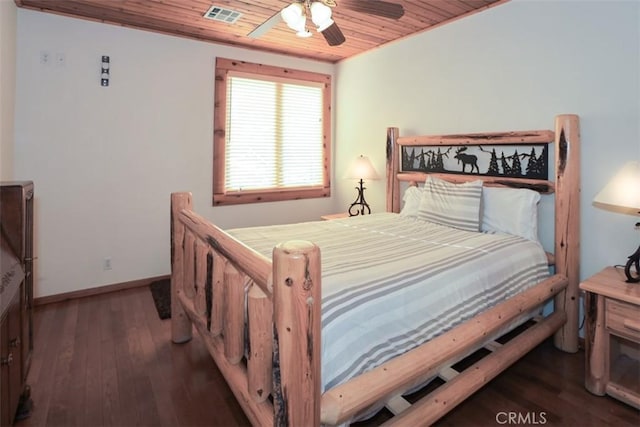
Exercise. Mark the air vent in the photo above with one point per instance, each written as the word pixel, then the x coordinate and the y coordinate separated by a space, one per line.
pixel 217 13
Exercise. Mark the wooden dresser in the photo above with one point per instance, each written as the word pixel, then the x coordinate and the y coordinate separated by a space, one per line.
pixel 612 337
pixel 16 294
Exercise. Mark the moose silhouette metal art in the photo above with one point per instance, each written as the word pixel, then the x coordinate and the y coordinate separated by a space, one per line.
pixel 495 160
pixel 467 159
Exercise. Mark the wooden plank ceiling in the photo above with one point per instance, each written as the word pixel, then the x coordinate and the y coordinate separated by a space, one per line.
pixel 363 31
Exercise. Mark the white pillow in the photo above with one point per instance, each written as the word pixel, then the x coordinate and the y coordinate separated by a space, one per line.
pixel 411 199
pixel 453 205
pixel 510 210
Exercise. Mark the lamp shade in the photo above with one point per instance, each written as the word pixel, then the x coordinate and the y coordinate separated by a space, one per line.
pixel 623 190
pixel 362 168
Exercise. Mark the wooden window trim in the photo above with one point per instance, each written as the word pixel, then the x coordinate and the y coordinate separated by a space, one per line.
pixel 222 197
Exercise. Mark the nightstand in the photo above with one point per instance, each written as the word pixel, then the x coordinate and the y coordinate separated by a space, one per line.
pixel 335 216
pixel 612 337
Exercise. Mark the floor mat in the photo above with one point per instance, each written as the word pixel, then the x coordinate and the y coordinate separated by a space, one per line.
pixel 161 292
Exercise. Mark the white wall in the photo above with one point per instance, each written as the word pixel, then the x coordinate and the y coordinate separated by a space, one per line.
pixel 512 67
pixel 105 160
pixel 8 12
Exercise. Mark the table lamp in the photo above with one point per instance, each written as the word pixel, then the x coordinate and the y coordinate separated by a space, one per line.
pixel 622 193
pixel 361 169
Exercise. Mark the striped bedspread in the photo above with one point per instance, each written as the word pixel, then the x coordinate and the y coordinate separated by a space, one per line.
pixel 390 283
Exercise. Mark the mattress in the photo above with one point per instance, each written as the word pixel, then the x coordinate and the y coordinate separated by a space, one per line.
pixel 391 283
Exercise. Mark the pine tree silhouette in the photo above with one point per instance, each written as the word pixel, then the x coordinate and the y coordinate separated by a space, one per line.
pixel 506 169
pixel 542 162
pixel 516 168
pixel 412 159
pixel 439 163
pixel 532 164
pixel 493 164
pixel 422 165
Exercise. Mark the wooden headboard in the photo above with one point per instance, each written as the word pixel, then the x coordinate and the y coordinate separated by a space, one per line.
pixel 566 189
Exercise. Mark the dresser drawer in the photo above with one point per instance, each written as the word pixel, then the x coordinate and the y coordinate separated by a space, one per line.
pixel 623 318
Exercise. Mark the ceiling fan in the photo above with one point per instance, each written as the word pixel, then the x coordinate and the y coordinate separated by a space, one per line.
pixel 295 15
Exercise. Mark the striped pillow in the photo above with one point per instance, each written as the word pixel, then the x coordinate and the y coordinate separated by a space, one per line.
pixel 453 205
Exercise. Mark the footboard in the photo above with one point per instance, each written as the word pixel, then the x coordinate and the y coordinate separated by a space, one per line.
pixel 213 276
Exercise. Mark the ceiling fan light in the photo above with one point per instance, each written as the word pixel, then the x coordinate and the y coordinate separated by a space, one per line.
pixel 321 15
pixel 299 24
pixel 304 34
pixel 292 13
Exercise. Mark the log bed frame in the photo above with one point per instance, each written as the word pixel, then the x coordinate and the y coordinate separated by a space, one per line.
pixel 277 382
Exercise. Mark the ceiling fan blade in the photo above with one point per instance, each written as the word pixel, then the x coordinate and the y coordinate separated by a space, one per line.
pixel 261 29
pixel 374 7
pixel 333 35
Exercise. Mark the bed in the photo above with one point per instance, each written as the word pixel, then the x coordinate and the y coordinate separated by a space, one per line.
pixel 303 342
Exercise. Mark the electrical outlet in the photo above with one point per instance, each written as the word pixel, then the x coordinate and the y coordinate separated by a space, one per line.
pixel 45 57
pixel 106 263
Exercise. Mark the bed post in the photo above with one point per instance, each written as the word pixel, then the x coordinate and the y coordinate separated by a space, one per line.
pixel 180 323
pixel 296 335
pixel 393 185
pixel 567 226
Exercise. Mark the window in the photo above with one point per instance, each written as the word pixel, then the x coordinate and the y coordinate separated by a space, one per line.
pixel 271 133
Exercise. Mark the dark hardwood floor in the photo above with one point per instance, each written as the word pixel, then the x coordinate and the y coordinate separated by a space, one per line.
pixel 108 360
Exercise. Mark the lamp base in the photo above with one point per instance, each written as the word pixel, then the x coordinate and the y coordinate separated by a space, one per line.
pixel 360 206
pixel 634 261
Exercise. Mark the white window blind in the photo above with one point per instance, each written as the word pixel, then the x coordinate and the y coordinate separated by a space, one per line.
pixel 274 134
